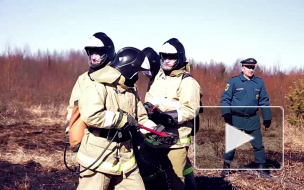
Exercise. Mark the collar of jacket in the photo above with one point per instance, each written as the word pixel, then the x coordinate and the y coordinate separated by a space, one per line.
pixel 110 75
pixel 106 75
pixel 174 73
pixel 120 84
pixel 243 79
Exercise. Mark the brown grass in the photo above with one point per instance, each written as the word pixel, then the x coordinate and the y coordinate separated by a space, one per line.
pixel 34 149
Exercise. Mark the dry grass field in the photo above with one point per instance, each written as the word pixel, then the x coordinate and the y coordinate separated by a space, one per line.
pixel 32 158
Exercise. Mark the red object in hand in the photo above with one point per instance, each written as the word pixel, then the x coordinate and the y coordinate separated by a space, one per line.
pixel 154 108
pixel 161 134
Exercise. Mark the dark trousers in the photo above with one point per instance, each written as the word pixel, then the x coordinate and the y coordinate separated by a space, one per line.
pixel 257 144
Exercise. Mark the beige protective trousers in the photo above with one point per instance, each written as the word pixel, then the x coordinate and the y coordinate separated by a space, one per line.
pixel 92 180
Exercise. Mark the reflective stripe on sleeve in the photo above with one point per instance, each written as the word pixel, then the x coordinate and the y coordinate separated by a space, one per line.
pixel 179 116
pixel 108 119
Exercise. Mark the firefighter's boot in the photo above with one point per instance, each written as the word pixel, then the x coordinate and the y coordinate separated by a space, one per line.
pixel 263 173
pixel 225 170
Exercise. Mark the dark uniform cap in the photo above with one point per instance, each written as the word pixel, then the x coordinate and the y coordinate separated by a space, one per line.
pixel 249 61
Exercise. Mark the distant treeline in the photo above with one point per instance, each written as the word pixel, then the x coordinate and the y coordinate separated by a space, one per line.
pixel 45 78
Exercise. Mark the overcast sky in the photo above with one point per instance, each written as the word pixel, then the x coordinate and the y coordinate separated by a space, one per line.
pixel 270 31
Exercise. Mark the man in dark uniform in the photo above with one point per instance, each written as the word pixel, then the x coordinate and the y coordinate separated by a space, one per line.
pixel 247 90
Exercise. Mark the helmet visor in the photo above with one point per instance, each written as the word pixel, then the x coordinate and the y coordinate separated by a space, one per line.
pixel 96 59
pixel 168 61
pixel 168 56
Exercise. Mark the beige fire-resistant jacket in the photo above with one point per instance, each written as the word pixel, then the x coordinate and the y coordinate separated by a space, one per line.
pixel 174 93
pixel 82 83
pixel 99 106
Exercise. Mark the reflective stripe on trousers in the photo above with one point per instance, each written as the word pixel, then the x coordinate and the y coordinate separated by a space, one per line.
pixel 188 171
pixel 106 165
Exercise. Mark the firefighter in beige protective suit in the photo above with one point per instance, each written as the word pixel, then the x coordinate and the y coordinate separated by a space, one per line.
pixel 155 64
pixel 110 107
pixel 101 51
pixel 171 100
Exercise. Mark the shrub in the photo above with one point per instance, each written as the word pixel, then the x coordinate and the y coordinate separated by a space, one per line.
pixel 296 106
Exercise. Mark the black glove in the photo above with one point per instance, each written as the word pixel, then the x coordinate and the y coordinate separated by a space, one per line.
pixel 125 122
pixel 228 118
pixel 267 123
pixel 170 140
pixel 148 106
pixel 131 122
pixel 158 128
pixel 152 111
pixel 168 118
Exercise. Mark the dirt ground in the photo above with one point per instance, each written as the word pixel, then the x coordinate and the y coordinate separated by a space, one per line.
pixel 31 157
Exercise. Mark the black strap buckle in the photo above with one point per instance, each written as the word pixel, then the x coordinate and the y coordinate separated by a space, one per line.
pixel 246 116
pixel 121 136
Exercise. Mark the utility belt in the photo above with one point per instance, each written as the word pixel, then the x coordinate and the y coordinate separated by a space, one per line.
pixel 121 136
pixel 243 115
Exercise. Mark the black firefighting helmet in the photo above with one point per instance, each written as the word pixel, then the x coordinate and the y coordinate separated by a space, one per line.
pixel 154 61
pixel 129 61
pixel 101 44
pixel 175 48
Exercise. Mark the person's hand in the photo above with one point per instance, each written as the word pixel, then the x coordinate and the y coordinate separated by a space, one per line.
pixel 228 118
pixel 267 123
pixel 149 108
pixel 170 140
pixel 168 118
pixel 127 121
pixel 152 111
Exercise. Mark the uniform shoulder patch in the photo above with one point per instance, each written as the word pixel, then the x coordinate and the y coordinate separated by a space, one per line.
pixel 227 87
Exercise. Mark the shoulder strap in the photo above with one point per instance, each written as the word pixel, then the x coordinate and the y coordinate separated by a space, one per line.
pixel 186 74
